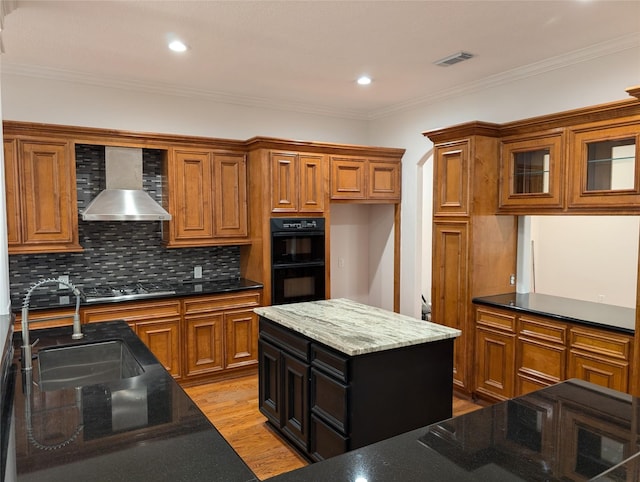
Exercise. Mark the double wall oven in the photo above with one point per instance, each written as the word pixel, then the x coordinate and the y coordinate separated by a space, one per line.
pixel 297 260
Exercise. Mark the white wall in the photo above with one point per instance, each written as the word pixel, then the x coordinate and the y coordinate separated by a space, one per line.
pixel 590 258
pixel 594 81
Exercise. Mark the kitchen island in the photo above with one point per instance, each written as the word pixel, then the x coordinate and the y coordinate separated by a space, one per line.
pixel 137 428
pixel 336 375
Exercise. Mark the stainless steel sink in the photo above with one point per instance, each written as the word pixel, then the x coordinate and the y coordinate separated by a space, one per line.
pixel 87 364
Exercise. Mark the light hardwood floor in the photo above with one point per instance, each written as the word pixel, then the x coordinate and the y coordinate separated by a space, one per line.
pixel 232 406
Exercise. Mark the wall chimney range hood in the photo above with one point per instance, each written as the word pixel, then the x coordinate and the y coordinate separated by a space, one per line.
pixel 124 199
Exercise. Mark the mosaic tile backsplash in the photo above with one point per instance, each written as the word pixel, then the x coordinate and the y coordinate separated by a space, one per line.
pixel 116 251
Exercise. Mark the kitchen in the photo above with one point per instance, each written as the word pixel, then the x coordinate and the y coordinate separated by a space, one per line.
pixel 60 101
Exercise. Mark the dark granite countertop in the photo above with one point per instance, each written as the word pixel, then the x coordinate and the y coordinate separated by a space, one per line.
pixel 51 299
pixel 136 429
pixel 599 315
pixel 570 431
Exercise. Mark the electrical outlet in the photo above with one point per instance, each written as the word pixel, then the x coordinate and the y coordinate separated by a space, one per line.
pixel 600 298
pixel 512 279
pixel 341 262
pixel 65 278
pixel 197 272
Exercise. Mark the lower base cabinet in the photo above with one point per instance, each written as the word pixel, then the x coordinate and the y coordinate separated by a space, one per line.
pixel 326 403
pixel 520 353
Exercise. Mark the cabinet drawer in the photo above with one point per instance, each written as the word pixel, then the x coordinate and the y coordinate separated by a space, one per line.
pixel 325 441
pixel 331 362
pixel 602 343
pixel 608 373
pixel 131 311
pixel 543 330
pixel 288 341
pixel 205 304
pixel 329 400
pixel 496 320
pixel 542 360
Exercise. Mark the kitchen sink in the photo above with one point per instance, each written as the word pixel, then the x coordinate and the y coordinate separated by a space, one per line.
pixel 88 364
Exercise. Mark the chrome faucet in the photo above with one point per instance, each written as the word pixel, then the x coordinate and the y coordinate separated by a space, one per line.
pixel 26 345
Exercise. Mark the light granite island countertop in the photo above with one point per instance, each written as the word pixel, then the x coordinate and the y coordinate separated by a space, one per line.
pixel 354 328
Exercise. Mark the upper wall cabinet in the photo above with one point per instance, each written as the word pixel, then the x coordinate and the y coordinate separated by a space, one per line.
pixel 451 166
pixel 531 172
pixel 606 166
pixel 207 198
pixel 585 161
pixel 364 179
pixel 298 182
pixel 42 212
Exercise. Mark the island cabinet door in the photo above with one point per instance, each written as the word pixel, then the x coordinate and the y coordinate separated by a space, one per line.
pixel 296 400
pixel 269 388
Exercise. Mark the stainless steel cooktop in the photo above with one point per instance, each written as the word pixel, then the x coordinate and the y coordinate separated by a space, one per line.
pixel 125 292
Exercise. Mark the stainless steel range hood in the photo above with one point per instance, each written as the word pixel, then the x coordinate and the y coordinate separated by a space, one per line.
pixel 124 199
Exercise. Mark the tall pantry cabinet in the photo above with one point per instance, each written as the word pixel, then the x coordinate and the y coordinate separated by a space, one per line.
pixel 474 250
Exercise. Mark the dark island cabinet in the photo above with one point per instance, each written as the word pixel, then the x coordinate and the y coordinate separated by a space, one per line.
pixel 326 403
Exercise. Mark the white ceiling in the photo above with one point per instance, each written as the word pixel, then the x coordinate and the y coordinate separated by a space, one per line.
pixel 306 55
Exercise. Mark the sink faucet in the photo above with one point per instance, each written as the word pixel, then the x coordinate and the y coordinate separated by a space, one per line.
pixel 26 345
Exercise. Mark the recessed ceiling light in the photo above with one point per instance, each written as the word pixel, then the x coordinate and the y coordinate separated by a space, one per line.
pixel 364 80
pixel 177 46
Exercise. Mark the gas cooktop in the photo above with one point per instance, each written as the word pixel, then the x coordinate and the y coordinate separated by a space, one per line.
pixel 125 292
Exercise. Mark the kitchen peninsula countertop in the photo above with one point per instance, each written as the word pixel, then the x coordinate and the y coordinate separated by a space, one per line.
pixel 574 430
pixel 354 328
pixel 41 299
pixel 599 315
pixel 136 429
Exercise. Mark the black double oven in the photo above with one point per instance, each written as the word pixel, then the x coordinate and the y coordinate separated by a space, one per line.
pixel 297 260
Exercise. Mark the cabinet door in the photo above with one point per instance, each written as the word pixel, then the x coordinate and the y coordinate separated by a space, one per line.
pixel 600 357
pixel 12 191
pixel 347 178
pixel 495 372
pixel 270 382
pixel 284 183
pixel 449 292
pixel 162 337
pixel 383 180
pixel 541 353
pixel 451 179
pixel 204 344
pixel 191 198
pixel 241 338
pixel 605 167
pixel 296 400
pixel 230 179
pixel 49 205
pixel 531 173
pixel 312 183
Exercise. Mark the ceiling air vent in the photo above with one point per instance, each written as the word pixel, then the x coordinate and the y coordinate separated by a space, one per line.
pixel 453 59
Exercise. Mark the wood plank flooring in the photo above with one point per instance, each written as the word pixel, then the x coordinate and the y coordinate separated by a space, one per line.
pixel 232 406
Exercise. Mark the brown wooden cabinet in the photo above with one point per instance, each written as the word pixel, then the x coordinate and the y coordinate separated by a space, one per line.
pixel 495 364
pixel 221 333
pixel 364 179
pixel 531 172
pixel 298 182
pixel 42 212
pixel 542 353
pixel 605 167
pixel 546 351
pixel 474 251
pixel 207 198
pixel 600 357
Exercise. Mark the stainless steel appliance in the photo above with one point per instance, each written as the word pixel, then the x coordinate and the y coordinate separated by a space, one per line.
pixel 97 293
pixel 297 260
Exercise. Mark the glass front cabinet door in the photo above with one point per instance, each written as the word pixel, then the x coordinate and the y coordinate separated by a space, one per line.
pixel 605 167
pixel 531 170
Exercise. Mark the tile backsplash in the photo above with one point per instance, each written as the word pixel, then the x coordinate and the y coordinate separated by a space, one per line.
pixel 116 251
